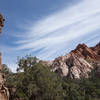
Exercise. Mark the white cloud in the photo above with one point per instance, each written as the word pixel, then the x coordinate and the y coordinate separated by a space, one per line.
pixel 53 33
pixel 62 26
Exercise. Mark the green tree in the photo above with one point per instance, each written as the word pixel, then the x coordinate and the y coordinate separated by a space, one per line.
pixel 37 82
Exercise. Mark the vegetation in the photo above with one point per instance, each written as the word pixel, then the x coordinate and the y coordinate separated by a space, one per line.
pixel 35 81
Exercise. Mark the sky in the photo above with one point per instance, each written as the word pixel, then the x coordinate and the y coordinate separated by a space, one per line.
pixel 47 28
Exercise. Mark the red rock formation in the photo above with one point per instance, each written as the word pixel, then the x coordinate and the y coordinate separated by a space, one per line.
pixel 74 64
pixel 92 53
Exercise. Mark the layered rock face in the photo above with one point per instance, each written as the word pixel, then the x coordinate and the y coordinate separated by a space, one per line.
pixel 85 52
pixel 96 49
pixel 4 93
pixel 71 66
pixel 74 64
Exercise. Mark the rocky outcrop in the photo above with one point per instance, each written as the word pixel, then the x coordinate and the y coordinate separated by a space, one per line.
pixel 4 93
pixel 0 62
pixel 96 49
pixel 49 63
pixel 85 52
pixel 76 64
pixel 1 22
pixel 71 66
pixel 96 68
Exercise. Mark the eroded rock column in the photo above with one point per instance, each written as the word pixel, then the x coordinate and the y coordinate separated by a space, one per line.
pixel 4 93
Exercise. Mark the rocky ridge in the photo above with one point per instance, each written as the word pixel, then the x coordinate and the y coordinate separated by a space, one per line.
pixel 85 52
pixel 75 64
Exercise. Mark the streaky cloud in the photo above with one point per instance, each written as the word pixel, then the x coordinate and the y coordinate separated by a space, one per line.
pixel 59 32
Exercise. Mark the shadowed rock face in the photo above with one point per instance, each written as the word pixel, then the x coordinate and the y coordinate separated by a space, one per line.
pixel 96 49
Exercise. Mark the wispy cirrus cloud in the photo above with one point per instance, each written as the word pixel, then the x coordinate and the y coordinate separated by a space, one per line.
pixel 50 33
pixel 59 32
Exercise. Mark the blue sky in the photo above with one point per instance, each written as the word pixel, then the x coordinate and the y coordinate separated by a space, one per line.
pixel 47 28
